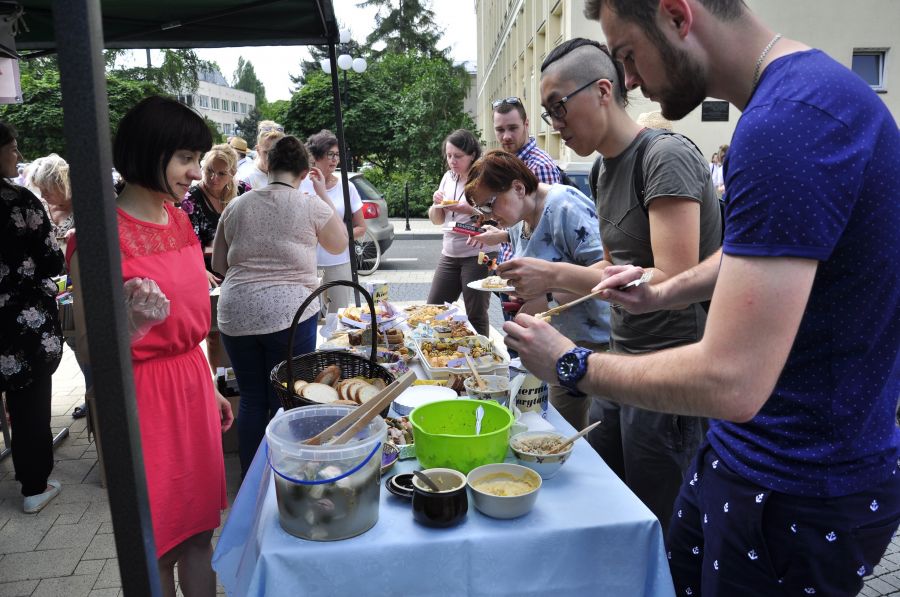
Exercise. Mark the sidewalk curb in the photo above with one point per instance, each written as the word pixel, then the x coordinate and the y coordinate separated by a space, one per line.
pixel 413 235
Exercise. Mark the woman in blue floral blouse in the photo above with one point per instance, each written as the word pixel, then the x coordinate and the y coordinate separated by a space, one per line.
pixel 31 343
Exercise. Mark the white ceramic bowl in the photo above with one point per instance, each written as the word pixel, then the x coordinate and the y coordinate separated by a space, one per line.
pixel 497 506
pixel 496 388
pixel 415 396
pixel 546 465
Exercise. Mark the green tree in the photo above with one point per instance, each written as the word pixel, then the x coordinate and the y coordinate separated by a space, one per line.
pixel 245 79
pixel 176 74
pixel 248 126
pixel 39 119
pixel 404 26
pixel 276 110
pixel 400 110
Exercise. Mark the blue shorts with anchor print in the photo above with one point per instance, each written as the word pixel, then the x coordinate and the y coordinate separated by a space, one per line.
pixel 730 538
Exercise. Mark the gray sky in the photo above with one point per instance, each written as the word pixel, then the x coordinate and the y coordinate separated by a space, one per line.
pixel 274 64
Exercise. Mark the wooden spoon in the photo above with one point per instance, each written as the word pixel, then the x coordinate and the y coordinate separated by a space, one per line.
pixel 569 441
pixel 479 381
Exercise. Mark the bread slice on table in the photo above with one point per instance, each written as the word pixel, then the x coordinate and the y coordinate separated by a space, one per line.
pixel 329 375
pixel 366 393
pixel 320 393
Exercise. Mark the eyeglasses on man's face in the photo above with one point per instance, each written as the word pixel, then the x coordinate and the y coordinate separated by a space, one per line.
pixel 513 101
pixel 557 110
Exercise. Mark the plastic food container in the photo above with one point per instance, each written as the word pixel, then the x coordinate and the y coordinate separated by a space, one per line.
pixel 445 437
pixel 497 364
pixel 325 493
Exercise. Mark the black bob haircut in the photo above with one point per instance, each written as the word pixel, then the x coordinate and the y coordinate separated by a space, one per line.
pixel 150 134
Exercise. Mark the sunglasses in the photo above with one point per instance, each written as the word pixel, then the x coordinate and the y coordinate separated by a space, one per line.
pixel 213 174
pixel 558 110
pixel 485 209
pixel 266 129
pixel 513 101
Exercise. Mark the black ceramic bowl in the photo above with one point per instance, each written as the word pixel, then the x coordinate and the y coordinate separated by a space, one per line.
pixel 400 485
pixel 444 508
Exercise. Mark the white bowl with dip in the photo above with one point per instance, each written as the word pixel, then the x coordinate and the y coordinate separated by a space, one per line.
pixel 503 490
pixel 530 449
pixel 496 388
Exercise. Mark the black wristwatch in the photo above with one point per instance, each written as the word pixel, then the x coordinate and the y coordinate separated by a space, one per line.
pixel 571 367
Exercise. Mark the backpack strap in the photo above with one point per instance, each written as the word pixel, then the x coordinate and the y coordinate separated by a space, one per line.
pixel 638 172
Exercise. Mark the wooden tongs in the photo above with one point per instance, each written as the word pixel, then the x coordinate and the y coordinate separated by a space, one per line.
pixel 350 425
pixel 546 315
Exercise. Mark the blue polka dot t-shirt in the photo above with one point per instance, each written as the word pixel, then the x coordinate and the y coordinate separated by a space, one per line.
pixel 814 172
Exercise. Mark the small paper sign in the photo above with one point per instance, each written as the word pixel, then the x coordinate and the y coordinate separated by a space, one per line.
pixel 456 363
pixel 464 350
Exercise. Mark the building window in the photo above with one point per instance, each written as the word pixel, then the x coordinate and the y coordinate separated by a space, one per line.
pixel 234 107
pixel 204 101
pixel 869 64
pixel 243 108
pixel 215 103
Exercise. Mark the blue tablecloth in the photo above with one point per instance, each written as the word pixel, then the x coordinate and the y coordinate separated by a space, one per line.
pixel 587 535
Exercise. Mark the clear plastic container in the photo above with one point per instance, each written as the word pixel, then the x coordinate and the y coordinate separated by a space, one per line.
pixel 325 493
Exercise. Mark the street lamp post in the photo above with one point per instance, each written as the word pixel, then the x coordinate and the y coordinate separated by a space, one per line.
pixel 345 62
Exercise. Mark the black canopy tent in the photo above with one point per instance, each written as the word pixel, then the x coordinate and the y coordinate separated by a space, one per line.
pixel 78 30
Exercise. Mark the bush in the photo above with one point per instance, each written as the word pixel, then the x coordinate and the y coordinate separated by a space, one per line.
pixel 421 189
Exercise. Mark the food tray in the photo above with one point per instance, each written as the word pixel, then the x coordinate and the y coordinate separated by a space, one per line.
pixel 498 364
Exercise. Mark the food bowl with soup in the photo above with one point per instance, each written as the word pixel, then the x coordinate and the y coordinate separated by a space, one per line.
pixel 503 490
pixel 532 449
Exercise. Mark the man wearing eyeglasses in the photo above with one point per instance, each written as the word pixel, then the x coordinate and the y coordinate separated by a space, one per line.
pixel 256 173
pixel 673 225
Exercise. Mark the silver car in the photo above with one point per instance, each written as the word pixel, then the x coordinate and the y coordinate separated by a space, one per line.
pixel 379 230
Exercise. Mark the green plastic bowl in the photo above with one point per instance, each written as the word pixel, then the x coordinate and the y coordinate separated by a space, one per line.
pixel 444 433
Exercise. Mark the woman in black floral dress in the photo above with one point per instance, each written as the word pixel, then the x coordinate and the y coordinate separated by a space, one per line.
pixel 204 203
pixel 31 343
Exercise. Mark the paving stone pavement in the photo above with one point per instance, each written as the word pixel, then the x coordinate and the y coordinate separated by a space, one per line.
pixel 68 550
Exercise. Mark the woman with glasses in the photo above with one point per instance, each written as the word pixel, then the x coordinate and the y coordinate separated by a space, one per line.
pixel 555 223
pixel 323 147
pixel 459 261
pixel 204 203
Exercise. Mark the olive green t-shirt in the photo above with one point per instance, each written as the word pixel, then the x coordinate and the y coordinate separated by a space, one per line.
pixel 672 168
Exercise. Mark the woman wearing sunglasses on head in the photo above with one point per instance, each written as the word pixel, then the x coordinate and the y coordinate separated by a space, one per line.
pixel 552 223
pixel 204 203
pixel 459 261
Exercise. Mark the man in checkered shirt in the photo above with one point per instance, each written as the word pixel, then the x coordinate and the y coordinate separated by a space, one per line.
pixel 511 128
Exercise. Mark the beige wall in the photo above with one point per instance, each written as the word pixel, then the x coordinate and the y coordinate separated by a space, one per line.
pixel 515 35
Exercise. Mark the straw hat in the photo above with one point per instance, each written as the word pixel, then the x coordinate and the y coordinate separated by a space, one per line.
pixel 238 144
pixel 654 120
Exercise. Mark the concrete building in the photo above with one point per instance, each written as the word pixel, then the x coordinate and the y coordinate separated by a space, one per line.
pixel 514 36
pixel 220 103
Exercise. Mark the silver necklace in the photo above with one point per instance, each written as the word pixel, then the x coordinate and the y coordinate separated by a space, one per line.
pixel 762 58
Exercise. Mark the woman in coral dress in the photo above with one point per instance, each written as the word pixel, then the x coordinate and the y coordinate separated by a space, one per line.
pixel 181 415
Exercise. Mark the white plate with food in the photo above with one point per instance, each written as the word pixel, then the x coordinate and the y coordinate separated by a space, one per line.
pixel 491 284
